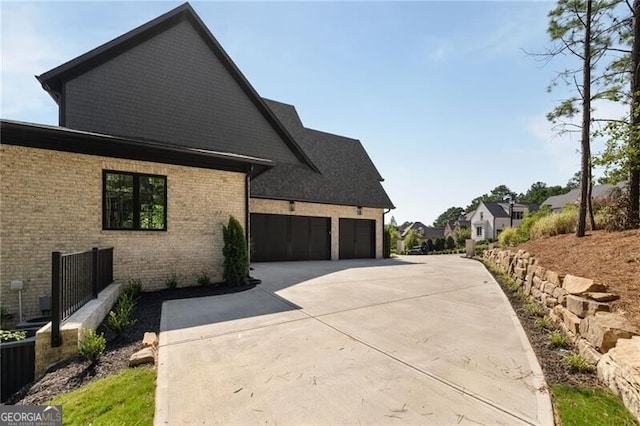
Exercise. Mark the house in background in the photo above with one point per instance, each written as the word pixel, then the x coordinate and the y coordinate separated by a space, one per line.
pixel 490 219
pixel 424 233
pixel 558 202
pixel 160 139
pixel 463 221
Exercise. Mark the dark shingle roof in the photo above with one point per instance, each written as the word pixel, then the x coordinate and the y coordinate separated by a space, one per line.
pixel 347 174
pixel 496 210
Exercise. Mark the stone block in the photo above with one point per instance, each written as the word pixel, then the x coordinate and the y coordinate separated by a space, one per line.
pixel 571 321
pixel 588 352
pixel 584 307
pixel 528 284
pixel 520 272
pixel 579 285
pixel 536 293
pixel 602 297
pixel 553 277
pixel 604 329
pixel 537 281
pixel 541 272
pixel 619 369
pixel 559 291
pixel 150 340
pixel 550 302
pixel 548 287
pixel 143 356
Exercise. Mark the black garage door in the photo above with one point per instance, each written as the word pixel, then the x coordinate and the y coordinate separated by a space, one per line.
pixel 357 239
pixel 281 237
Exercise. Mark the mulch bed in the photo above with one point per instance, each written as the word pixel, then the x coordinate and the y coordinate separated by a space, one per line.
pixel 555 370
pixel 76 372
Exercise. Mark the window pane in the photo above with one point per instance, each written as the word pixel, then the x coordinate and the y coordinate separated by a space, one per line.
pixel 119 201
pixel 152 202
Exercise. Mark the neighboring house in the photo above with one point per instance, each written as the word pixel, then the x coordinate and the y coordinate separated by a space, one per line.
pixel 424 233
pixel 490 219
pixel 452 226
pixel 558 202
pixel 161 139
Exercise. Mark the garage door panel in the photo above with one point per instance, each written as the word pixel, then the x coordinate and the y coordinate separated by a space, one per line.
pixel 357 239
pixel 288 237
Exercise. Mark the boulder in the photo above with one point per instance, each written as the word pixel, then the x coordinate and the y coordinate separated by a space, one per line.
pixel 578 285
pixel 537 281
pixel 571 321
pixel 150 340
pixel 588 352
pixel 528 283
pixel 143 356
pixel 619 369
pixel 602 297
pixel 558 292
pixel 584 307
pixel 550 302
pixel 604 329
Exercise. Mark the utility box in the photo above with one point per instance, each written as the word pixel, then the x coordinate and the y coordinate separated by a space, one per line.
pixel 17 284
pixel 471 247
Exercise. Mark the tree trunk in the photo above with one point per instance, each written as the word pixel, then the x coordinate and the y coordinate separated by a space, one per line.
pixel 586 125
pixel 634 143
pixel 592 220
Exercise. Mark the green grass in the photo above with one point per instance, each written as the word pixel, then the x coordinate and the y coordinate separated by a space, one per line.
pixel 579 406
pixel 126 398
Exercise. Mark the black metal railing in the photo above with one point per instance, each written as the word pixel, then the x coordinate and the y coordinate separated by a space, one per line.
pixel 76 278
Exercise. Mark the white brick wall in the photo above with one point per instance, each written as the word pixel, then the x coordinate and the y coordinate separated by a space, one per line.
pixel 52 200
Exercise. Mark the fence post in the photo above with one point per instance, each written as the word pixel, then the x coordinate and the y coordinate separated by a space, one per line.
pixel 56 298
pixel 94 273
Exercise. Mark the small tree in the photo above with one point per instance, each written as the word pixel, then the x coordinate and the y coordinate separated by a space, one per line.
pixel 430 245
pixel 439 246
pixel 461 236
pixel 235 251
pixel 411 239
pixel 451 244
pixel 387 242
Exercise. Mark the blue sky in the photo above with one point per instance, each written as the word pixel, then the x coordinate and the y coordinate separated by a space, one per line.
pixel 441 94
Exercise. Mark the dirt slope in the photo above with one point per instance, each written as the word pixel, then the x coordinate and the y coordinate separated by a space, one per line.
pixel 612 258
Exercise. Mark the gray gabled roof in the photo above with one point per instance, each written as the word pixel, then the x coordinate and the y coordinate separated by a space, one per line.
pixel 347 175
pixel 558 202
pixel 496 210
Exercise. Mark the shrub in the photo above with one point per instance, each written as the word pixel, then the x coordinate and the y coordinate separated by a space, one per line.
pixel 451 243
pixel 612 213
pixel 512 237
pixel 556 224
pixel 544 322
pixel 203 278
pixel 534 309
pixel 6 318
pixel 558 339
pixel 577 363
pixel 172 281
pixel 461 236
pixel 92 345
pixel 133 288
pixel 387 242
pixel 236 261
pixel 430 246
pixel 120 318
pixel 6 335
pixel 439 244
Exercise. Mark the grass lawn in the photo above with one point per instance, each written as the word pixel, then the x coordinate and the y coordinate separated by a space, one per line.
pixel 126 398
pixel 578 406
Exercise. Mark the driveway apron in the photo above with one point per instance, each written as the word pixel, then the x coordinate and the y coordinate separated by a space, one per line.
pixel 412 340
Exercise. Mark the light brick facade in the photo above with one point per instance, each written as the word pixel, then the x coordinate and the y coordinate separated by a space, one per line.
pixel 335 212
pixel 52 200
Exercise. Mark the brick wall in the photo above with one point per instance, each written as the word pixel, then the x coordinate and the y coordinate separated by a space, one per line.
pixel 52 200
pixel 335 212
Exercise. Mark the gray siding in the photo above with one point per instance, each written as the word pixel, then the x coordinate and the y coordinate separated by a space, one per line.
pixel 173 89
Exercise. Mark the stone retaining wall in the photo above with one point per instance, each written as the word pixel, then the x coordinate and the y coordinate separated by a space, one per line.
pixel 582 309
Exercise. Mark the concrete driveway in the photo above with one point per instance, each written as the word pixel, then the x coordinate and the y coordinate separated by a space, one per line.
pixel 414 340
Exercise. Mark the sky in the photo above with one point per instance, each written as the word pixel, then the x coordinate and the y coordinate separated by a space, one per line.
pixel 443 95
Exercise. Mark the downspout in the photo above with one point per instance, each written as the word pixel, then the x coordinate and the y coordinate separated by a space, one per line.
pixel 383 215
pixel 247 213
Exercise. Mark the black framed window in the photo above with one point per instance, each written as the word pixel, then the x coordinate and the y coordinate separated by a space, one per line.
pixel 133 201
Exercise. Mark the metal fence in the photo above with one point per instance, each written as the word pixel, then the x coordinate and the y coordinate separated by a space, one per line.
pixel 17 365
pixel 76 278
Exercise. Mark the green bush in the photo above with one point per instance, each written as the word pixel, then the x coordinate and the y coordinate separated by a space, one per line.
pixel 387 242
pixel 512 237
pixel 236 260
pixel 450 243
pixel 203 278
pixel 558 339
pixel 461 236
pixel 577 363
pixel 92 345
pixel 120 318
pixel 439 244
pixel 430 246
pixel 172 281
pixel 6 335
pixel 133 288
pixel 556 224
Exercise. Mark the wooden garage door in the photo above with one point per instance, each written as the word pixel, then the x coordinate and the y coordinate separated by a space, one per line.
pixel 283 237
pixel 357 239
